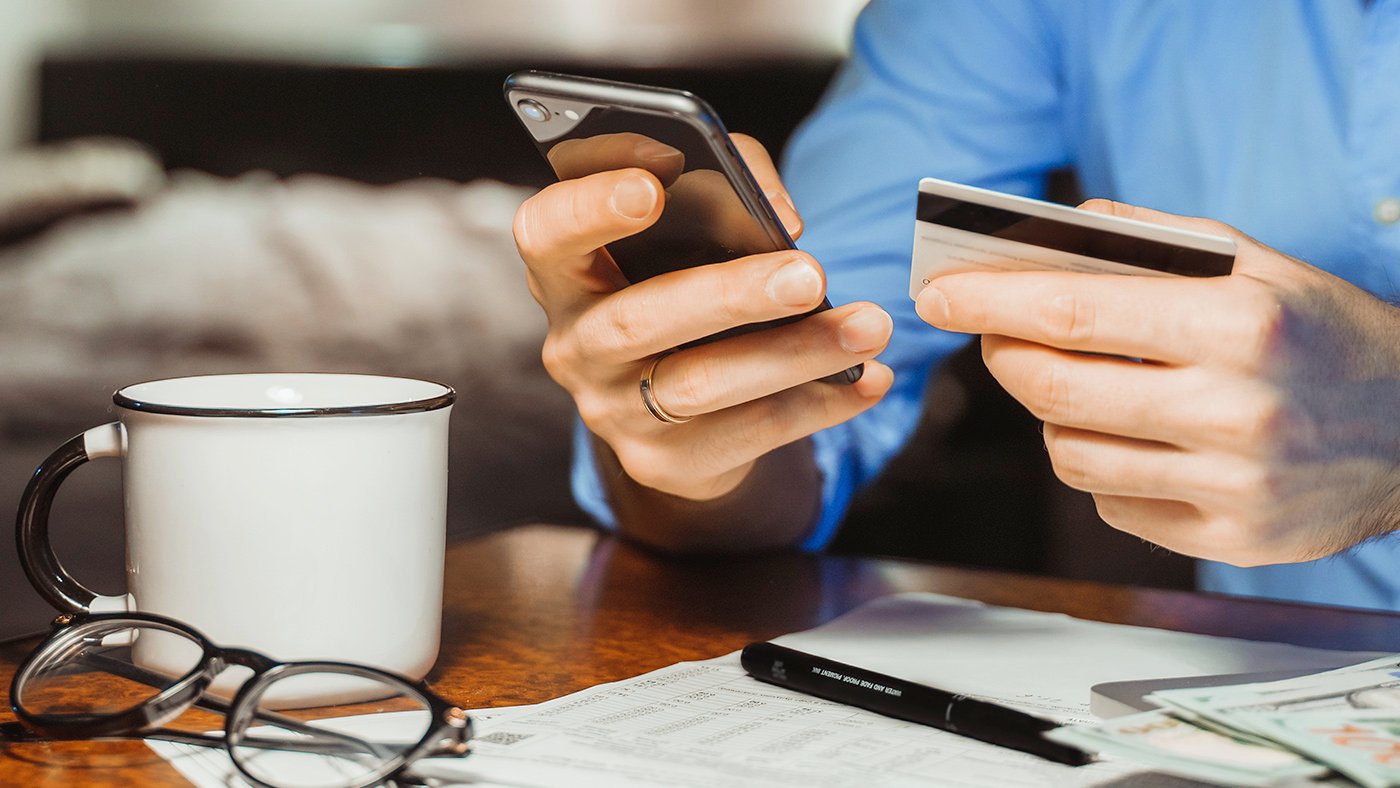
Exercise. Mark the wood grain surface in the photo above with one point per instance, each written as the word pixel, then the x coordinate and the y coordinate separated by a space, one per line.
pixel 540 611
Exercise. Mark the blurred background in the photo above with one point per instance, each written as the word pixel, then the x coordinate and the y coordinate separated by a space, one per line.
pixel 237 185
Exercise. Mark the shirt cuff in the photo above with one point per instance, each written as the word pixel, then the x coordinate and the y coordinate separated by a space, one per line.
pixel 831 451
pixel 587 487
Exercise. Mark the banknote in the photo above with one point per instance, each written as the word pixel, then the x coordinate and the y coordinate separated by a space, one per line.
pixel 1162 741
pixel 1267 733
pixel 1362 744
pixel 1239 709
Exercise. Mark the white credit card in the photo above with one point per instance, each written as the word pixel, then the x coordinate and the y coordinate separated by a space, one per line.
pixel 964 228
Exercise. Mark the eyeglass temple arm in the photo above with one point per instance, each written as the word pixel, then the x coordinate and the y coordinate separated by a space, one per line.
pixel 347 743
pixel 126 670
pixel 214 703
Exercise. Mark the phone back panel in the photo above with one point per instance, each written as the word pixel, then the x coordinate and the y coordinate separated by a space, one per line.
pixel 714 210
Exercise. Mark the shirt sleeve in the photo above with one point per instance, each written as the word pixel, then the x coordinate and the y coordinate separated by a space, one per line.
pixel 964 91
pixel 954 89
pixel 588 488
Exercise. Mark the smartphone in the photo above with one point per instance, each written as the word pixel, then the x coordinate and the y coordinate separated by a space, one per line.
pixel 715 210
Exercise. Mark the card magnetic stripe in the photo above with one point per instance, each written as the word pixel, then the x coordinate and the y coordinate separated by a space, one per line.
pixel 1072 238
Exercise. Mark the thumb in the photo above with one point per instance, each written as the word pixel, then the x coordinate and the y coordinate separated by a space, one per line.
pixel 1252 258
pixel 1137 212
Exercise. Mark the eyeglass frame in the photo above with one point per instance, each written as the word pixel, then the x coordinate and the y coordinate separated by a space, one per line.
pixel 447 737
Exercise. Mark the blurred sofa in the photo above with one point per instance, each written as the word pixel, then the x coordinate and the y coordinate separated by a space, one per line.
pixel 198 274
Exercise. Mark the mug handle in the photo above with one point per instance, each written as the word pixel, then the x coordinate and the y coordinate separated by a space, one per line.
pixel 36 555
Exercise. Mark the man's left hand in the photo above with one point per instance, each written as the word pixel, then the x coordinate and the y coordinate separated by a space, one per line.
pixel 1252 419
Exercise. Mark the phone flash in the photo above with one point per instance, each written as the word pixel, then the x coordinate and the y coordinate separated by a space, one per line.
pixel 570 114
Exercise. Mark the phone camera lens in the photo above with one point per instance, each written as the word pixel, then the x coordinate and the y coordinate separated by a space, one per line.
pixel 533 110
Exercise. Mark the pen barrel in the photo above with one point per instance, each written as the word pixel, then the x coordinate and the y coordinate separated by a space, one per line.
pixel 964 713
pixel 906 700
pixel 1008 727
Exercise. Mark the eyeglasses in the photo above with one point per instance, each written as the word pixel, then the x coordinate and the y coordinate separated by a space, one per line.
pixel 127 675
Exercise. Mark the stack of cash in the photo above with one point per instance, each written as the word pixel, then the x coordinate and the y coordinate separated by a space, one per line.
pixel 1342 722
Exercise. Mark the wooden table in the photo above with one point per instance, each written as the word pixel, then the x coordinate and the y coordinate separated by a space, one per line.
pixel 541 611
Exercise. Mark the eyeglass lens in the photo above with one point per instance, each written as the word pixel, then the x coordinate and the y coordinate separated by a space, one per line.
pixel 106 669
pixel 331 754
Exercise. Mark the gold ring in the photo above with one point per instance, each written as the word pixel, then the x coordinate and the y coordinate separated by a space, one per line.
pixel 649 395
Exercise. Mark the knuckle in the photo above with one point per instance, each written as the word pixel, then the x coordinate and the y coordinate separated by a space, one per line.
pixel 536 289
pixel 1068 318
pixel 1112 510
pixel 557 357
pixel 639 460
pixel 594 410
pixel 580 207
pixel 1047 395
pixel 686 388
pixel 1229 482
pixel 553 217
pixel 1254 485
pixel 733 296
pixel 1069 461
pixel 652 465
pixel 771 421
pixel 1235 540
pixel 991 343
pixel 812 353
pixel 1259 330
pixel 1259 422
pixel 620 330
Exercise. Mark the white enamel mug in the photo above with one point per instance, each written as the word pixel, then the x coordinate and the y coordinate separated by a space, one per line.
pixel 300 515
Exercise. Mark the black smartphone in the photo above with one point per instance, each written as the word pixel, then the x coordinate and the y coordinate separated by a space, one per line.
pixel 715 210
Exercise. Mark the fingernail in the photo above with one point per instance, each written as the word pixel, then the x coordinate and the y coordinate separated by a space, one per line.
pixel 795 284
pixel 779 200
pixel 932 306
pixel 651 150
pixel 785 198
pixel 865 331
pixel 633 198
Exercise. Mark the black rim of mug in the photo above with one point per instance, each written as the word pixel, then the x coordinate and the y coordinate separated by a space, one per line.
pixel 446 398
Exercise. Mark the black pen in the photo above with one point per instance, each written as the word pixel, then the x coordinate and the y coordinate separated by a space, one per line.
pixel 906 700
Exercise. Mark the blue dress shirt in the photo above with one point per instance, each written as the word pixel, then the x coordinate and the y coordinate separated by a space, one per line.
pixel 1281 117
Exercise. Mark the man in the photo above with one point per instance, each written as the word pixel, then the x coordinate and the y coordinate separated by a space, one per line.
pixel 1258 431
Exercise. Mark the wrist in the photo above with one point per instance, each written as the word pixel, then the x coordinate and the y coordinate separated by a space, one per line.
pixel 772 502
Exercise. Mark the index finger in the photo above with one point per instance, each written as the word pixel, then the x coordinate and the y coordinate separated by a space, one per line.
pixel 1176 321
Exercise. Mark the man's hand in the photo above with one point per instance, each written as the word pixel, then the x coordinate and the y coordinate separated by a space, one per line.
pixel 1262 424
pixel 748 394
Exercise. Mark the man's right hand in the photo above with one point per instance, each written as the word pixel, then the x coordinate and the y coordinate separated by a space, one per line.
pixel 748 394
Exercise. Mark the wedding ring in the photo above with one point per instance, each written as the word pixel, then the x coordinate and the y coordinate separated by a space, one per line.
pixel 649 395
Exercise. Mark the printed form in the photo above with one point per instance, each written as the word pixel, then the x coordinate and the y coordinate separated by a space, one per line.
pixel 708 723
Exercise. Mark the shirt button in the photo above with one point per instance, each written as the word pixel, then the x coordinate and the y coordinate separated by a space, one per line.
pixel 1387 211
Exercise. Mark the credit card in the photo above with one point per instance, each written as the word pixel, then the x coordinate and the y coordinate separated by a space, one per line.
pixel 964 228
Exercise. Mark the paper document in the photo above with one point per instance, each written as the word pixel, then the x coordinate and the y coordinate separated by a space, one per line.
pixel 1042 663
pixel 700 724
pixel 707 723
